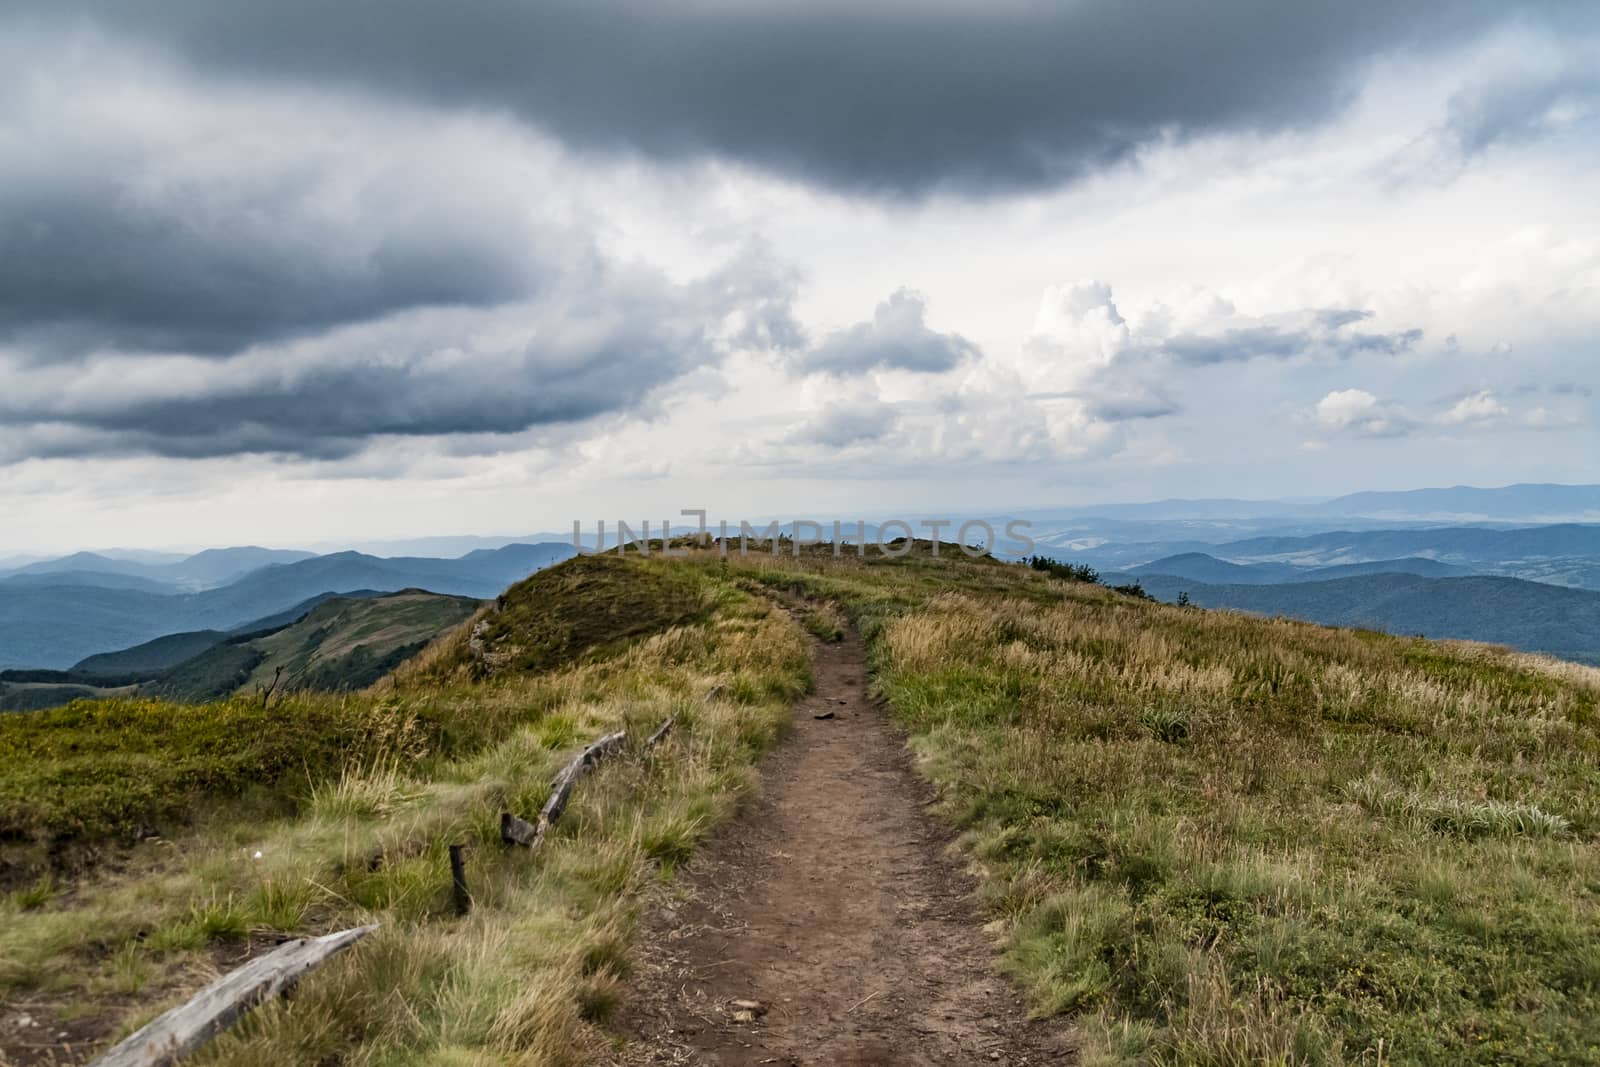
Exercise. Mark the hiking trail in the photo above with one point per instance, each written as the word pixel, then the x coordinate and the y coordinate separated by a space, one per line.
pixel 834 903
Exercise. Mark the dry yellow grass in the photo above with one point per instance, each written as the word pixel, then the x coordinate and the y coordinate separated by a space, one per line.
pixel 525 978
pixel 1220 839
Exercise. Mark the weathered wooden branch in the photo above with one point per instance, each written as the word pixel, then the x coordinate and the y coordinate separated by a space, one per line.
pixel 179 1032
pixel 661 734
pixel 266 691
pixel 514 830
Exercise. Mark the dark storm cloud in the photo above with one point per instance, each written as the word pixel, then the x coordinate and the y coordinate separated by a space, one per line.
pixel 84 266
pixel 145 210
pixel 192 268
pixel 1324 334
pixel 602 343
pixel 897 338
pixel 892 97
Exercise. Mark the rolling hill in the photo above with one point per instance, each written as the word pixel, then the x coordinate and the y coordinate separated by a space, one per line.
pixel 96 579
pixel 341 644
pixel 334 644
pixel 153 657
pixel 1562 554
pixel 1530 616
pixel 1420 565
pixel 54 626
pixel 1452 544
pixel 1202 567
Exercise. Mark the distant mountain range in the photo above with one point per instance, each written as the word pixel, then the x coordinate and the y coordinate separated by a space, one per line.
pixel 56 612
pixel 54 618
pixel 203 570
pixel 1198 566
pixel 1528 615
pixel 1517 503
pixel 337 643
pixel 1563 554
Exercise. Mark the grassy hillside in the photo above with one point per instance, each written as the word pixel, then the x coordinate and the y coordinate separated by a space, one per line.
pixel 349 644
pixel 321 812
pixel 37 696
pixel 1527 615
pixel 340 645
pixel 1217 839
pixel 1208 838
pixel 334 644
pixel 561 615
pixel 156 656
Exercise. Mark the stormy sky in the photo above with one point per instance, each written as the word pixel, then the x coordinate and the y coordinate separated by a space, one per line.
pixel 296 272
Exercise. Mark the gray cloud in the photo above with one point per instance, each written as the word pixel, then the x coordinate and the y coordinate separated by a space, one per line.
pixel 1358 413
pixel 1324 333
pixel 1512 110
pixel 1123 403
pixel 191 269
pixel 89 269
pixel 889 97
pixel 605 341
pixel 841 427
pixel 139 212
pixel 897 338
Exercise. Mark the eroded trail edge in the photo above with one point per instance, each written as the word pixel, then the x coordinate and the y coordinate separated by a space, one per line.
pixel 833 903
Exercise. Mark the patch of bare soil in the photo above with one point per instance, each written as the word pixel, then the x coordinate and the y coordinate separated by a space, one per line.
pixel 829 924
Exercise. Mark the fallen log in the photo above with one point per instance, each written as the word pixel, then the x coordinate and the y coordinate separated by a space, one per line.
pixel 661 733
pixel 179 1032
pixel 513 830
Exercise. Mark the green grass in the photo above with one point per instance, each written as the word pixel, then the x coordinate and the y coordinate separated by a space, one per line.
pixel 586 607
pixel 124 768
pixel 825 621
pixel 535 969
pixel 1214 839
pixel 1205 838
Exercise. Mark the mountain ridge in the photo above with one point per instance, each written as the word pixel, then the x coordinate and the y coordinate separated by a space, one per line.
pixel 55 626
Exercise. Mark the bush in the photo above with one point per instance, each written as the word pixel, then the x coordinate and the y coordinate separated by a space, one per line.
pixel 1072 572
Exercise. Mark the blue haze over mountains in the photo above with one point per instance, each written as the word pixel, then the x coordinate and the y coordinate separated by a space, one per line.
pixel 1518 565
pixel 56 613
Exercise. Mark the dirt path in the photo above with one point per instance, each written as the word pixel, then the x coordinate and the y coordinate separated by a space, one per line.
pixel 833 903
